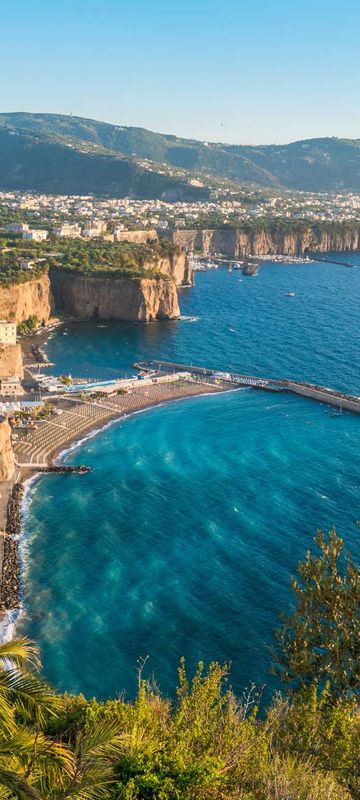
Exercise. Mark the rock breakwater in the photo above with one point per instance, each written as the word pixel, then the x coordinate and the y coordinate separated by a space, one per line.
pixel 10 579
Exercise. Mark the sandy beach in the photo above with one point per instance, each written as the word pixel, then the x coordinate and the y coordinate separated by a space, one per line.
pixel 74 420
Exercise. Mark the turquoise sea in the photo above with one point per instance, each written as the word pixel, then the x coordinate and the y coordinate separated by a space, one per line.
pixel 183 539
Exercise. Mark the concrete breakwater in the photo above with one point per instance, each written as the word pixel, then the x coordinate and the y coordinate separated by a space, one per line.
pixel 14 510
pixel 322 394
pixel 40 357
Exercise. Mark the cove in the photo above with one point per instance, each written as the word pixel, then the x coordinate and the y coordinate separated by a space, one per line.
pixel 183 539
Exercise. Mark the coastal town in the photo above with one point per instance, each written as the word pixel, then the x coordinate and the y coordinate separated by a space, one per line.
pixel 179 401
pixel 38 216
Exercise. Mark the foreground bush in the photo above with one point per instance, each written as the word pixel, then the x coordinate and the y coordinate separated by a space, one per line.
pixel 207 745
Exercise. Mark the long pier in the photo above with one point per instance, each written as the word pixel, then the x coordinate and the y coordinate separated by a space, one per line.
pixel 322 394
pixel 317 257
pixel 313 256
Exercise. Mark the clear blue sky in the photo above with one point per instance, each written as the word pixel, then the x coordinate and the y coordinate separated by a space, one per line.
pixel 245 71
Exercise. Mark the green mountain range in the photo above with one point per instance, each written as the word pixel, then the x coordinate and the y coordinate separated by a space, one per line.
pixel 66 154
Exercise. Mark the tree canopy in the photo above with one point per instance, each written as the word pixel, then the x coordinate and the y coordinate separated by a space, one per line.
pixel 320 640
pixel 205 744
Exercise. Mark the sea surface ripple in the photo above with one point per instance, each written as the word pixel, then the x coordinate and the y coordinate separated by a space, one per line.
pixel 183 539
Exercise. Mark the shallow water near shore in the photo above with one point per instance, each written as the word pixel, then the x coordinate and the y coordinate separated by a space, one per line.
pixel 183 538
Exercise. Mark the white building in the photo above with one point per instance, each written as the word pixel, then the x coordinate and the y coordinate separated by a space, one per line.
pixel 27 265
pixel 10 387
pixel 68 230
pixel 7 332
pixel 35 235
pixel 94 228
pixel 91 233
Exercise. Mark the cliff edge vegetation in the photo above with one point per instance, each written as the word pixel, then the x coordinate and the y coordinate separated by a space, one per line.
pixel 265 236
pixel 90 280
pixel 21 261
pixel 205 744
pixel 106 259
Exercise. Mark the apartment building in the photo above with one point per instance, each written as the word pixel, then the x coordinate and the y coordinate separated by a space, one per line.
pixel 10 387
pixel 7 332
pixel 35 235
pixel 69 230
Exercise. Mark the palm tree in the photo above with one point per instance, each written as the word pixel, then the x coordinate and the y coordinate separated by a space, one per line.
pixel 29 760
pixel 33 765
pixel 97 748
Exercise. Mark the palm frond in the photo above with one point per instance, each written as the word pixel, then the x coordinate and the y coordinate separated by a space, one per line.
pixel 94 785
pixel 7 717
pixel 22 653
pixel 17 786
pixel 27 693
pixel 16 745
pixel 101 740
pixel 37 760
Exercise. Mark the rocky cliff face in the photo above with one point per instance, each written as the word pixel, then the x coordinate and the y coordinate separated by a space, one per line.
pixel 7 463
pixel 20 301
pixel 291 244
pixel 206 241
pixel 177 267
pixel 236 243
pixel 11 363
pixel 89 297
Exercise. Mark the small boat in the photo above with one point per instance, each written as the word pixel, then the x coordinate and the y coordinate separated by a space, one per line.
pixel 230 269
pixel 290 294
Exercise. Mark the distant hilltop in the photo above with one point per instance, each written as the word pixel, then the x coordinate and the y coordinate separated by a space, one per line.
pixel 58 154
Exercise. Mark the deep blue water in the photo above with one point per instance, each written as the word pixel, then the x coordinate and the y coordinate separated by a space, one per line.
pixel 246 324
pixel 183 538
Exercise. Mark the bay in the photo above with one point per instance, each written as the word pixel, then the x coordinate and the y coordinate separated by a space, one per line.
pixel 183 539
